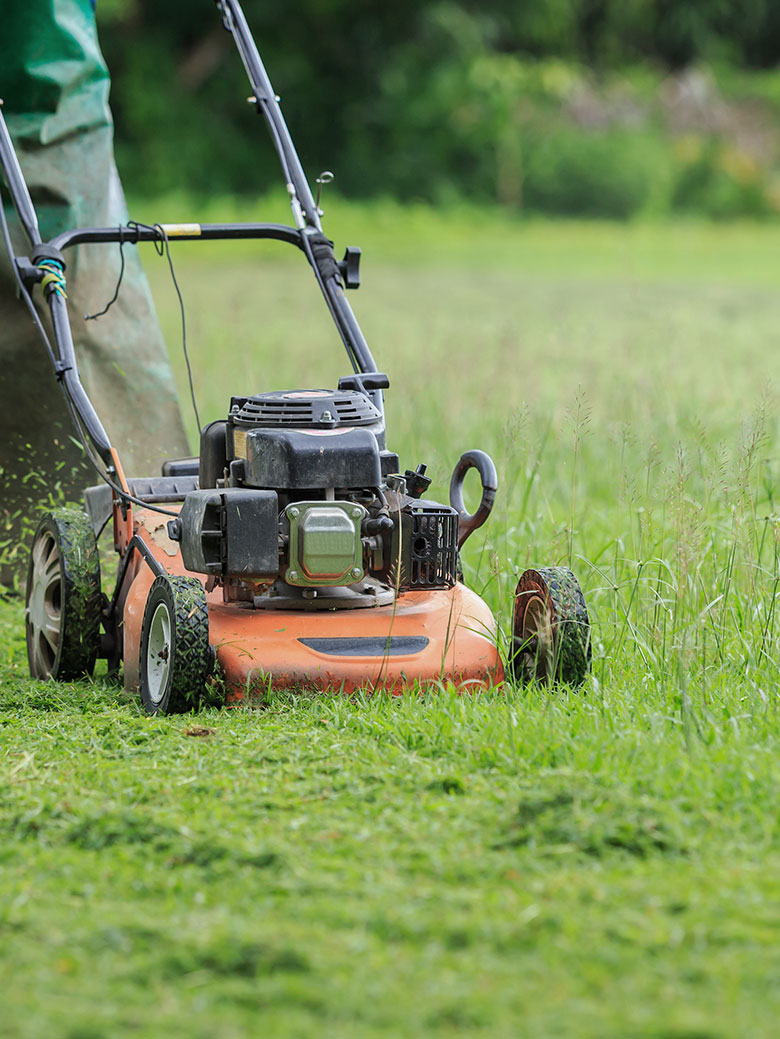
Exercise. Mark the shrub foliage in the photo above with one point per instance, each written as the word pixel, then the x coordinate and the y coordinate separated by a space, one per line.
pixel 564 106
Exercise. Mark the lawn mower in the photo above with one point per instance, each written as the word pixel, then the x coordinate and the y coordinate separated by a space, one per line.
pixel 292 550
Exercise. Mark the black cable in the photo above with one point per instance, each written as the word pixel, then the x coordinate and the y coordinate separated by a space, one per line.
pixel 83 437
pixel 97 466
pixel 115 297
pixel 103 525
pixel 162 247
pixel 183 324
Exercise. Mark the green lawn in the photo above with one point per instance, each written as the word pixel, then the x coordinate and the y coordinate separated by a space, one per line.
pixel 522 863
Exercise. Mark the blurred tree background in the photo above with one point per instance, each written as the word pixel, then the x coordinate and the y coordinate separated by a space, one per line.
pixel 586 107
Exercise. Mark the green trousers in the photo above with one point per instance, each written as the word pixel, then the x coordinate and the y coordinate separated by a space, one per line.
pixel 54 85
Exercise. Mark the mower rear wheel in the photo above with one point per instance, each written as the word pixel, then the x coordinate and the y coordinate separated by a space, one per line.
pixel 63 602
pixel 551 628
pixel 175 656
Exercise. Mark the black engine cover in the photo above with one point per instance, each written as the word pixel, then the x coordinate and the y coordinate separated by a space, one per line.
pixel 295 459
pixel 231 532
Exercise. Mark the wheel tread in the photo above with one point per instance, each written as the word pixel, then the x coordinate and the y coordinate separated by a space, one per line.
pixel 185 600
pixel 81 599
pixel 571 623
pixel 192 642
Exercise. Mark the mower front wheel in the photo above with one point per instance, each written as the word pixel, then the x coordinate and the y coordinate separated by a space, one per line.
pixel 63 602
pixel 175 656
pixel 551 628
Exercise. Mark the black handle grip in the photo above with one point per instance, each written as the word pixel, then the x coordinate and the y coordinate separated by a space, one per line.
pixel 483 463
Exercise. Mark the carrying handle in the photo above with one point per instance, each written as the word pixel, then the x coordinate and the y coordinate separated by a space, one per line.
pixel 483 463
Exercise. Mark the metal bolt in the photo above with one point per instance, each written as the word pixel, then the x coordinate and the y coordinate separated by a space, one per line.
pixel 326 416
pixel 292 575
pixel 293 513
pixel 356 571
pixel 357 513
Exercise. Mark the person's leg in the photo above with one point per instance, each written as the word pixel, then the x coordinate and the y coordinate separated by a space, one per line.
pixel 38 458
pixel 65 148
pixel 122 357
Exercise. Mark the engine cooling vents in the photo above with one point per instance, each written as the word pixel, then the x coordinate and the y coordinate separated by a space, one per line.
pixel 304 409
pixel 433 546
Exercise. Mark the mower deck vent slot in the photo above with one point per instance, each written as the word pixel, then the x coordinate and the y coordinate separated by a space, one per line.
pixel 434 548
pixel 368 645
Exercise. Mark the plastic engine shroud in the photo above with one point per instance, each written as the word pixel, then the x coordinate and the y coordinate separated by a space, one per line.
pixel 304 409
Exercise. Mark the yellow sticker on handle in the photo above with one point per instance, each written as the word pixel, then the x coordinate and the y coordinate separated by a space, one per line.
pixel 179 230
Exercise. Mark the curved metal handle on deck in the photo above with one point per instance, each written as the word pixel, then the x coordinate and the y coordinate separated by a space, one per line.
pixel 483 463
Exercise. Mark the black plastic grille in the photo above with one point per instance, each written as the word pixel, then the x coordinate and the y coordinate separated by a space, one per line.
pixel 433 551
pixel 305 408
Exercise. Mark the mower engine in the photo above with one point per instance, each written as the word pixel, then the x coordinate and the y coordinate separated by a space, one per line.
pixel 301 507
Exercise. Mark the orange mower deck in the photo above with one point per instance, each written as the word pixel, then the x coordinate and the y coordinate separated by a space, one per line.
pixel 427 636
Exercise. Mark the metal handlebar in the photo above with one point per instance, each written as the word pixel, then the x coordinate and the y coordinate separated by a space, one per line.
pixel 16 185
pixel 267 101
pixel 305 210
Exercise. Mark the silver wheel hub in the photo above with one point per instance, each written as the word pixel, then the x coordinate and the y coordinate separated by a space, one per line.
pixel 538 632
pixel 44 606
pixel 158 653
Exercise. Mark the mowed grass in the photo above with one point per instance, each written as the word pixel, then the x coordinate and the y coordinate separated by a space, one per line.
pixel 520 863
